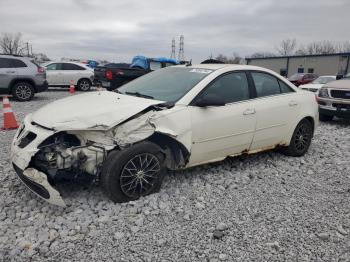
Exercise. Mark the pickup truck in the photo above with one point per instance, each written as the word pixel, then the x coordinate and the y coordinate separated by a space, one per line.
pixel 114 75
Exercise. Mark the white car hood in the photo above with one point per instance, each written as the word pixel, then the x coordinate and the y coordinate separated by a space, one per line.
pixel 313 86
pixel 94 110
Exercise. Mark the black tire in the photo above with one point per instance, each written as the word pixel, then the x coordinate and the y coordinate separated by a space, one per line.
pixel 301 139
pixel 84 85
pixel 325 118
pixel 23 91
pixel 124 173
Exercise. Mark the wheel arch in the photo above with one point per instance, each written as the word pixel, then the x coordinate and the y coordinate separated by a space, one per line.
pixel 176 153
pixel 84 78
pixel 18 80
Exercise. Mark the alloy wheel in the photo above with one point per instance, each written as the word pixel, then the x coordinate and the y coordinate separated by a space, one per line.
pixel 139 175
pixel 84 85
pixel 302 137
pixel 23 92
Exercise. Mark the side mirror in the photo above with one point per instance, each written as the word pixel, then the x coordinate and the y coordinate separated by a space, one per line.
pixel 210 100
pixel 339 77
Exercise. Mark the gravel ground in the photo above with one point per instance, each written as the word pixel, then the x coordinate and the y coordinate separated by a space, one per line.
pixel 264 207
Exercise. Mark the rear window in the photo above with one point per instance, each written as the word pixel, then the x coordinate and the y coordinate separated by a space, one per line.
pixel 16 63
pixel 67 66
pixel 11 63
pixel 296 77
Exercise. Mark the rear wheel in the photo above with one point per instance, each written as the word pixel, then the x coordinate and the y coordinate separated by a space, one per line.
pixel 84 85
pixel 324 118
pixel 301 139
pixel 134 172
pixel 23 91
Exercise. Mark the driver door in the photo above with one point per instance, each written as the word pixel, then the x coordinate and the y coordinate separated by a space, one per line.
pixel 220 131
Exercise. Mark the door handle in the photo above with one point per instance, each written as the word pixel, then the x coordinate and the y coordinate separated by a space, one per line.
pixel 250 111
pixel 10 72
pixel 293 103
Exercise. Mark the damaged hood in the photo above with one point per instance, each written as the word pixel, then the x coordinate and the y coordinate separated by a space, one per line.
pixel 93 110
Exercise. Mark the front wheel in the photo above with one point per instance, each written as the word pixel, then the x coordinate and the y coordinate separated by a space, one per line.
pixel 301 139
pixel 84 85
pixel 133 172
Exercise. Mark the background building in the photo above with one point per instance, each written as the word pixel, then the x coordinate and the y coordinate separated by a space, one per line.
pixel 326 64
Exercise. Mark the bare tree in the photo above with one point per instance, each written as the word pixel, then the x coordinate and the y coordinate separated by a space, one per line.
pixel 11 44
pixel 261 55
pixel 234 59
pixel 343 47
pixel 287 47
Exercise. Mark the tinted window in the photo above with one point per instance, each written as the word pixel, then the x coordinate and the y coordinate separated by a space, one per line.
pixel 5 63
pixel 155 65
pixel 265 84
pixel 231 87
pixel 54 66
pixel 168 64
pixel 18 63
pixel 284 87
pixel 67 66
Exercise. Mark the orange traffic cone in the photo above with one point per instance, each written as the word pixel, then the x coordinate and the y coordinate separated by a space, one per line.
pixel 71 87
pixel 9 118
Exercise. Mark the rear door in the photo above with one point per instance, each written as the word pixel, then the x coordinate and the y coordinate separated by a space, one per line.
pixel 276 107
pixel 54 74
pixel 7 73
pixel 72 72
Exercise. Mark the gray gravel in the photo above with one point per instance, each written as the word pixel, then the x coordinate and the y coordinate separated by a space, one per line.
pixel 264 207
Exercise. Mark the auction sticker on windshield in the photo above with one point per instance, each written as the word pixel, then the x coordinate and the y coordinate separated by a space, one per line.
pixel 201 71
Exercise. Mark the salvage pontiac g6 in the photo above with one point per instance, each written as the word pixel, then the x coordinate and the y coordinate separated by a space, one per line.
pixel 170 119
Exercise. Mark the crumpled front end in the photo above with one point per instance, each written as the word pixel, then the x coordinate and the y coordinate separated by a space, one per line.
pixel 41 155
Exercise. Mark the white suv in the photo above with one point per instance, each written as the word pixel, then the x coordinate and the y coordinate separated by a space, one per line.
pixel 62 73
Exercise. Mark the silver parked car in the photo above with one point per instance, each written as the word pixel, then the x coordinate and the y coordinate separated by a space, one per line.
pixel 21 77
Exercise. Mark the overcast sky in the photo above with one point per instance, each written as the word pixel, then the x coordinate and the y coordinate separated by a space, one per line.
pixel 118 30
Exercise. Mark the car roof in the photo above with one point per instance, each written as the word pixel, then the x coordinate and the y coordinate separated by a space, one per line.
pixel 66 62
pixel 228 66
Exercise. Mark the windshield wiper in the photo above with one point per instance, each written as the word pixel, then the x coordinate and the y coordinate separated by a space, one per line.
pixel 139 95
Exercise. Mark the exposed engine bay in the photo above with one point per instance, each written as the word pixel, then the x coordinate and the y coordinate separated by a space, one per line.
pixel 63 155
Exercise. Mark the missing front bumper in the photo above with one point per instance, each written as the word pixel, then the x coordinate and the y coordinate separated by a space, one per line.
pixel 37 182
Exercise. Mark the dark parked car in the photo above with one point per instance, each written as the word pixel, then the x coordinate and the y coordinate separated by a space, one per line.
pixel 302 78
pixel 114 75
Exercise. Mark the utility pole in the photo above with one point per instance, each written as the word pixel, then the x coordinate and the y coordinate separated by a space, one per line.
pixel 173 54
pixel 182 50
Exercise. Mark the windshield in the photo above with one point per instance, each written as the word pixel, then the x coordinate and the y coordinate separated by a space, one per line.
pixel 168 84
pixel 296 77
pixel 347 76
pixel 323 80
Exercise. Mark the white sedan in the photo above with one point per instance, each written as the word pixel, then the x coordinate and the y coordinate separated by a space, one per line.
pixel 170 119
pixel 62 73
pixel 315 85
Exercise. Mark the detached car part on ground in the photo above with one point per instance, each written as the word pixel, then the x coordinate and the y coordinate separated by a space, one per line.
pixel 170 119
pixel 334 99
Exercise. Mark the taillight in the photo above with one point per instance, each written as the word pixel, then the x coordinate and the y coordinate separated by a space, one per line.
pixel 109 75
pixel 41 69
